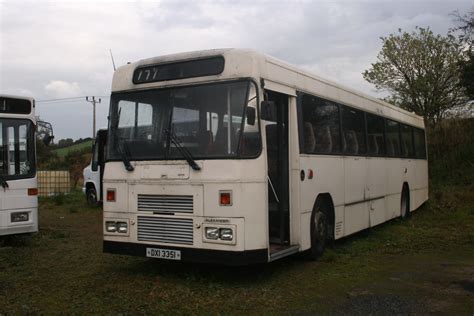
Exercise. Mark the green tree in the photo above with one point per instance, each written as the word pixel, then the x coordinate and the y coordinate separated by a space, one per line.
pixel 421 71
pixel 46 158
pixel 75 161
pixel 467 75
pixel 465 31
pixel 65 142
pixel 464 27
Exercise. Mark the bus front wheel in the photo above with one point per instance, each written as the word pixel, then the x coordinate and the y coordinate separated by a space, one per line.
pixel 319 231
pixel 91 196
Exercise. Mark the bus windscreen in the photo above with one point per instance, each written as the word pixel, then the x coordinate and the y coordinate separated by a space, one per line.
pixel 209 121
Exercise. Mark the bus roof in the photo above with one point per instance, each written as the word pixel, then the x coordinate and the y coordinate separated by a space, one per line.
pixel 247 63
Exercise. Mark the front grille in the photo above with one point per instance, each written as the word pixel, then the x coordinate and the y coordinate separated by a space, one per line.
pixel 167 204
pixel 165 230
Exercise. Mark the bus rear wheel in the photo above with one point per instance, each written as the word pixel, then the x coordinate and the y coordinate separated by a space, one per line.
pixel 319 231
pixel 91 196
pixel 405 202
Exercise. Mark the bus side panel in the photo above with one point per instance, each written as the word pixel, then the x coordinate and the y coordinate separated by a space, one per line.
pixel 356 211
pixel 328 178
pixel 419 190
pixel 296 229
pixel 376 189
pixel 394 183
pixel 409 176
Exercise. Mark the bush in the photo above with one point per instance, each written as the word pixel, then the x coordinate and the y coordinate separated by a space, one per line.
pixel 451 151
pixel 75 162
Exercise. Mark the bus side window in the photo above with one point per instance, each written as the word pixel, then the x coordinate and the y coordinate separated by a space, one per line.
pixel 323 117
pixel 3 152
pixel 350 144
pixel 309 140
pixel 353 125
pixel 95 155
pixel 373 145
pixel 407 141
pixel 420 147
pixel 393 138
pixel 375 132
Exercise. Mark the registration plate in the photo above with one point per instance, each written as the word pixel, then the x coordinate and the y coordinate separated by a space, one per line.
pixel 163 253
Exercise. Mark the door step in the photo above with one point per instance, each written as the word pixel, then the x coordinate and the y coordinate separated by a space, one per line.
pixel 283 252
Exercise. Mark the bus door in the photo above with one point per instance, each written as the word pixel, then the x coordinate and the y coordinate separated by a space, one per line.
pixel 101 143
pixel 276 127
pixel 17 165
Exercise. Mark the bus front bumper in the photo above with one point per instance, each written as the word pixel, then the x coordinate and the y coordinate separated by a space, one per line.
pixel 7 227
pixel 233 258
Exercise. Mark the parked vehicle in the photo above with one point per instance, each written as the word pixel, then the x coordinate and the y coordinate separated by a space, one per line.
pixel 19 189
pixel 234 157
pixel 94 172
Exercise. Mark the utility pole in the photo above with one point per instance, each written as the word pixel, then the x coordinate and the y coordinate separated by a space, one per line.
pixel 93 100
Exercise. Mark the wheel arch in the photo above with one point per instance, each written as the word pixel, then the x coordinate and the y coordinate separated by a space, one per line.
pixel 326 200
pixel 90 185
pixel 406 189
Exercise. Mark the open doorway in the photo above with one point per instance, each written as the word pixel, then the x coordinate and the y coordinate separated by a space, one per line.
pixel 278 171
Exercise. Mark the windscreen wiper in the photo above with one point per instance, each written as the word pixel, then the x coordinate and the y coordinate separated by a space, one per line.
pixel 3 183
pixel 125 153
pixel 183 150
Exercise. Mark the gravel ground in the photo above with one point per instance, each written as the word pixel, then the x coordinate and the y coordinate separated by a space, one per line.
pixel 425 283
pixel 372 304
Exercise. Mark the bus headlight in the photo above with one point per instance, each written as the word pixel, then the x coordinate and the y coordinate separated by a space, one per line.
pixel 116 227
pixel 19 217
pixel 212 233
pixel 219 234
pixel 111 227
pixel 226 234
pixel 122 227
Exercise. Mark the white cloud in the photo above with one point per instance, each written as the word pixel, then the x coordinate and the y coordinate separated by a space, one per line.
pixel 63 89
pixel 41 41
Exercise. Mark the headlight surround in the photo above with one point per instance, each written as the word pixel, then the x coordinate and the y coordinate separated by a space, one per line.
pixel 116 227
pixel 224 234
pixel 212 233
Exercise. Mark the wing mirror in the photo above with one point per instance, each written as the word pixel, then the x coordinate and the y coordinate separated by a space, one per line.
pixel 48 139
pixel 268 111
pixel 250 116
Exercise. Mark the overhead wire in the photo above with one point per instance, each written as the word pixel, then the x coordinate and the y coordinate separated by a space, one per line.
pixel 68 99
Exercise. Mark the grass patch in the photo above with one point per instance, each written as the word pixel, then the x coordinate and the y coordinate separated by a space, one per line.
pixel 62 268
pixel 421 265
pixel 62 152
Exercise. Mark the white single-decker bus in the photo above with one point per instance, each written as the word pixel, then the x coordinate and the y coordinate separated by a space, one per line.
pixel 18 184
pixel 234 157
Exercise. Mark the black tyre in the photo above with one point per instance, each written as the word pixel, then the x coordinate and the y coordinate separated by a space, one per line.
pixel 405 202
pixel 91 196
pixel 319 231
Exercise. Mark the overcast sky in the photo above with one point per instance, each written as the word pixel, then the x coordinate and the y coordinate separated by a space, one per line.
pixel 60 49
